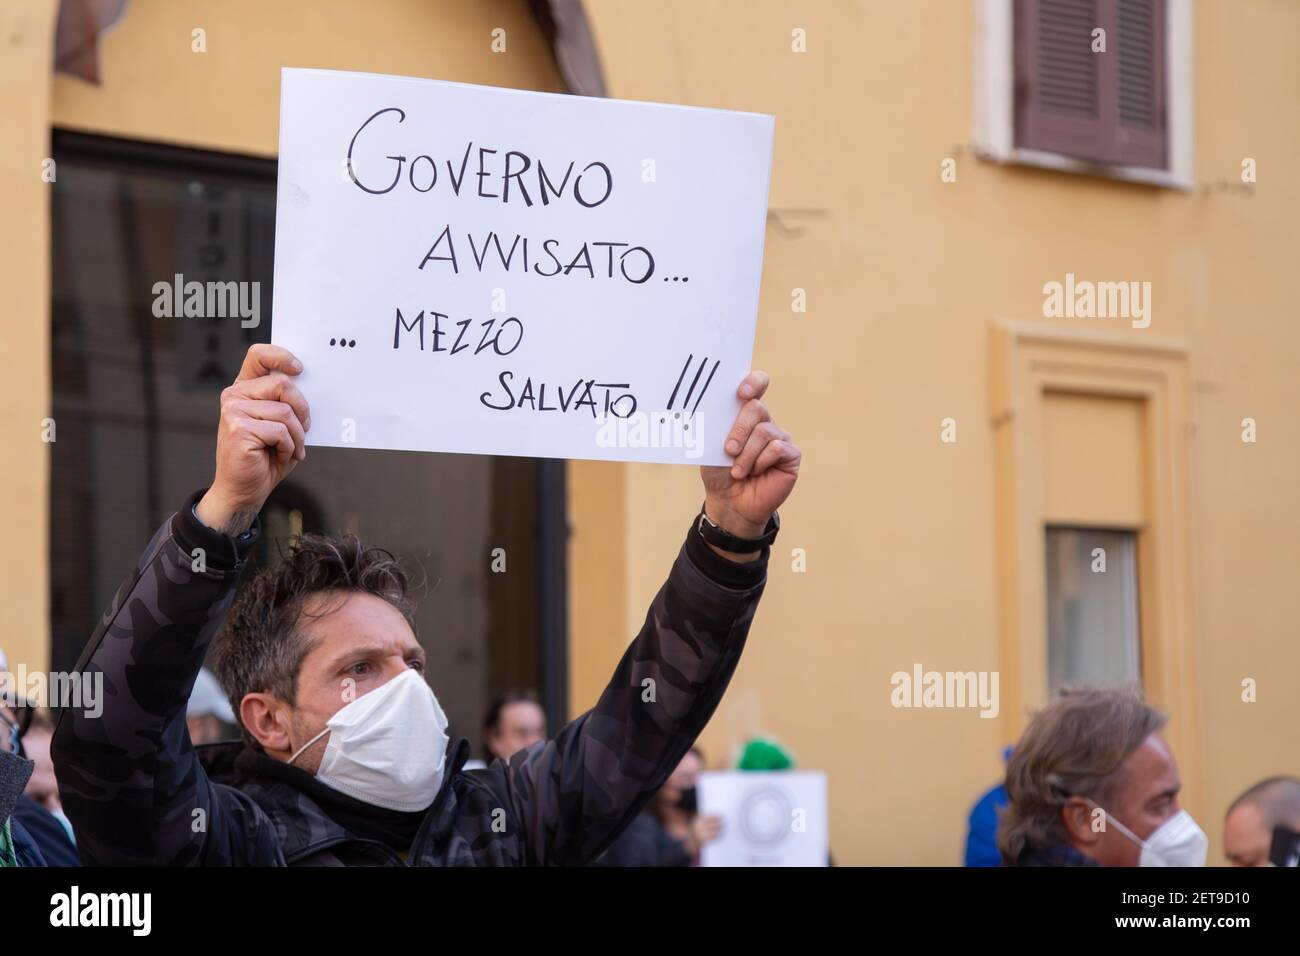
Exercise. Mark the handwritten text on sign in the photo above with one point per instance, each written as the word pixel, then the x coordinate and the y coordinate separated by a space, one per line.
pixel 472 269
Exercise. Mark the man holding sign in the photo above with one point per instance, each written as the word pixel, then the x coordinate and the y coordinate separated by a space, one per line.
pixel 345 760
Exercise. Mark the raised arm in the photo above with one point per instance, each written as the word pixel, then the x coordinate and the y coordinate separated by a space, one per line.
pixel 128 774
pixel 574 794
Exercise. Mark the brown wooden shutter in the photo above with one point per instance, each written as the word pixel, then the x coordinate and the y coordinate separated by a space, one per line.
pixel 1102 107
pixel 1138 38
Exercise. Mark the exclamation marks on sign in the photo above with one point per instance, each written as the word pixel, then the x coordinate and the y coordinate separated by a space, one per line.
pixel 695 381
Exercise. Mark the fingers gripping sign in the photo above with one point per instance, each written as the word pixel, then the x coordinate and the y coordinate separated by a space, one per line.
pixel 261 438
pixel 742 498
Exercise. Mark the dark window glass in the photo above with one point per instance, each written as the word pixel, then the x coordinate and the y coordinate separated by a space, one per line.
pixel 1092 608
pixel 136 408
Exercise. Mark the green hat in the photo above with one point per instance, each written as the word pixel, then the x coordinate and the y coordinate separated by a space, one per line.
pixel 764 754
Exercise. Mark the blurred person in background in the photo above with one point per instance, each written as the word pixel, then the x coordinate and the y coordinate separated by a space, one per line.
pixel 208 710
pixel 17 846
pixel 669 831
pixel 514 722
pixel 677 807
pixel 1092 783
pixel 1254 817
pixel 39 809
pixel 982 825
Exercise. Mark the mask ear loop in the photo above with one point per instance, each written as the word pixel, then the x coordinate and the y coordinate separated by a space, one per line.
pixel 300 750
pixel 1122 829
pixel 1054 781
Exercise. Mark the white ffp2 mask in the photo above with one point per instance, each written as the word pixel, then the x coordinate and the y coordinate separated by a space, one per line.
pixel 1179 841
pixel 388 747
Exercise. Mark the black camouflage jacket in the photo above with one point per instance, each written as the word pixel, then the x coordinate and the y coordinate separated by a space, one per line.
pixel 138 792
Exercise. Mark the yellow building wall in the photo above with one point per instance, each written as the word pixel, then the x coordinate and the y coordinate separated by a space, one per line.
pixel 27 28
pixel 904 275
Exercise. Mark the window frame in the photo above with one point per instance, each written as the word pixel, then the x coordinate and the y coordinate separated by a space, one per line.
pixel 995 104
pixel 1029 360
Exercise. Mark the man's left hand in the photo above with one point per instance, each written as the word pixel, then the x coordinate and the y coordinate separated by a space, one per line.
pixel 742 498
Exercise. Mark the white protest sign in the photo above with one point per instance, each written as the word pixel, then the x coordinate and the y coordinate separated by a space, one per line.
pixel 471 269
pixel 769 818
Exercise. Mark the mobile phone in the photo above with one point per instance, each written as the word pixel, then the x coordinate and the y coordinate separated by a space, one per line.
pixel 1285 848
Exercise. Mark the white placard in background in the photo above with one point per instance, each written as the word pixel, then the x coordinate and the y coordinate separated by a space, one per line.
pixel 472 269
pixel 769 818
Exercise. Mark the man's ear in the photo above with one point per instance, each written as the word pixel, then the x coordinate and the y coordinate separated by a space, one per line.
pixel 1084 823
pixel 266 717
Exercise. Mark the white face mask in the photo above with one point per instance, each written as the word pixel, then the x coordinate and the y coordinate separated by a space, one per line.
pixel 66 824
pixel 387 747
pixel 1176 842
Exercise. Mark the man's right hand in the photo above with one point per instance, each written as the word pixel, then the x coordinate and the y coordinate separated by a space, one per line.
pixel 262 436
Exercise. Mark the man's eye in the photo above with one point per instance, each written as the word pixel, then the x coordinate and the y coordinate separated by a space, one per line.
pixel 360 669
pixel 416 666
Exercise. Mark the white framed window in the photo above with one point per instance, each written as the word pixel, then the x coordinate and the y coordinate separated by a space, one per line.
pixel 1047 96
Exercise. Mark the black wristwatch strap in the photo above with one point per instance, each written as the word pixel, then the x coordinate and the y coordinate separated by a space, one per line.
pixel 727 541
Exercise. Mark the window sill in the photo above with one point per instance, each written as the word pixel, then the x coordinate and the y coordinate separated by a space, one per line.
pixel 1143 175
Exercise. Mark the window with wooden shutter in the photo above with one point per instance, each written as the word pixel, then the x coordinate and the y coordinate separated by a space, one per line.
pixel 1106 106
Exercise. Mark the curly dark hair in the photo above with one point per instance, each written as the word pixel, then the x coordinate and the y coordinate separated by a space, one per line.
pixel 1073 746
pixel 260 648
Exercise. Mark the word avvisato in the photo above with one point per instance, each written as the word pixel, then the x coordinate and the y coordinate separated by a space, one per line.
pixel 590 187
pixel 634 263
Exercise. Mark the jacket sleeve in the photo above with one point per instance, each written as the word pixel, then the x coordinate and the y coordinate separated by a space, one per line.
pixel 129 778
pixel 574 794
